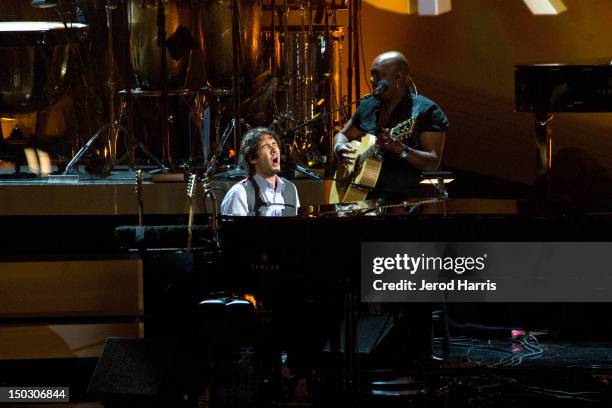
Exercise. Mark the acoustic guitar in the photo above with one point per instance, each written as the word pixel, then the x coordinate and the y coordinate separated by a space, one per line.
pixel 356 181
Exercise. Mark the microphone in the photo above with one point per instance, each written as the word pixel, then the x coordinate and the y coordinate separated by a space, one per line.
pixel 44 3
pixel 381 87
pixel 291 165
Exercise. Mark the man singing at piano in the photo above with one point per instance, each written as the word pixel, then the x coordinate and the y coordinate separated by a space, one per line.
pixel 263 192
pixel 409 129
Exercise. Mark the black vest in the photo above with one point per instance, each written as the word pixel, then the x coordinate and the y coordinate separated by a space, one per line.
pixel 255 202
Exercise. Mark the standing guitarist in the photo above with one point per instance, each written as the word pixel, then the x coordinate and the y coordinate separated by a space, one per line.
pixel 392 104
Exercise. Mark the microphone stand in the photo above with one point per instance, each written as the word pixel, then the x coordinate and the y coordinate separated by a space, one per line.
pixel 213 160
pixel 325 115
pixel 161 43
pixel 288 161
pixel 208 189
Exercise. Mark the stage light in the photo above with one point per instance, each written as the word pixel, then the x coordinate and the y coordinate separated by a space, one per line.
pixel 434 7
pixel 395 6
pixel 546 7
pixel 424 7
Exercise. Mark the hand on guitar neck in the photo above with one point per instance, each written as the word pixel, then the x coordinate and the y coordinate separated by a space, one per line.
pixel 387 142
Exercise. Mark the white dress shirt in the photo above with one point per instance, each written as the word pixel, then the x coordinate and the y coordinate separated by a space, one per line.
pixel 235 201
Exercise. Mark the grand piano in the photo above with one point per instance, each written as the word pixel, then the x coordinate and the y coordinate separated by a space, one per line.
pixel 569 86
pixel 316 256
pixel 325 240
pixel 319 251
pixel 315 259
pixel 545 88
pixel 322 247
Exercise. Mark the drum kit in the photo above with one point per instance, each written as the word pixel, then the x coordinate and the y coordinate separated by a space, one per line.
pixel 170 78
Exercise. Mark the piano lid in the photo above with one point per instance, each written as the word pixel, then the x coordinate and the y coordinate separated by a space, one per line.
pixel 570 86
pixel 599 61
pixel 408 207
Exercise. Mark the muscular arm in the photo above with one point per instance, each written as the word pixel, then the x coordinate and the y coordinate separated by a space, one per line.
pixel 427 157
pixel 348 133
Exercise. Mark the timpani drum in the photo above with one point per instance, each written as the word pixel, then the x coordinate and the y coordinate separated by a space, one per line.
pixel 185 63
pixel 37 63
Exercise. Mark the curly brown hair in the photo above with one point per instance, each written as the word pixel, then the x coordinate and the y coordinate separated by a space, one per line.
pixel 250 145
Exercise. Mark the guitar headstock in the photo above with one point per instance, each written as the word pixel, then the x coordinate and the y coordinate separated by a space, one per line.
pixel 139 182
pixel 191 185
pixel 403 130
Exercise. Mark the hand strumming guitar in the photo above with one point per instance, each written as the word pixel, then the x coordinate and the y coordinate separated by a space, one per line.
pixel 345 154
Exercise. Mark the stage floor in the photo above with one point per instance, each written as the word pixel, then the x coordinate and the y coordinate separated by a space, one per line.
pixel 566 373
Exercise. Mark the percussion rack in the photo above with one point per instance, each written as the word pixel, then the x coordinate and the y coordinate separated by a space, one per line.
pixel 300 99
pixel 301 86
pixel 113 126
pixel 296 5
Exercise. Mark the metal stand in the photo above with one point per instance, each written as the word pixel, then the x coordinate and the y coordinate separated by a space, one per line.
pixel 236 70
pixel 442 188
pixel 113 126
pixel 438 179
pixel 206 179
pixel 229 130
pixel 127 108
pixel 543 139
pixel 161 42
pixel 81 153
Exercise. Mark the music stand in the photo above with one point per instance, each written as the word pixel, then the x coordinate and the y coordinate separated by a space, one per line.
pixel 439 179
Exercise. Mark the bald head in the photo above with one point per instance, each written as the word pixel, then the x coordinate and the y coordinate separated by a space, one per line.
pixel 391 66
pixel 394 58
